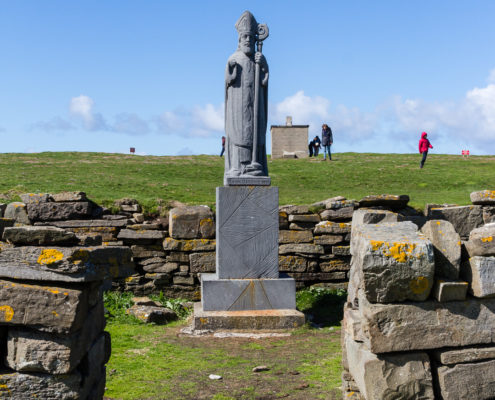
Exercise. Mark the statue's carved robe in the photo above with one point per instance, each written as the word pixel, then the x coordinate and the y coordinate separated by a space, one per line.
pixel 239 114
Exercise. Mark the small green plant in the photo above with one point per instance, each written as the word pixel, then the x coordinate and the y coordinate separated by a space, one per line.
pixel 176 305
pixel 322 305
pixel 116 305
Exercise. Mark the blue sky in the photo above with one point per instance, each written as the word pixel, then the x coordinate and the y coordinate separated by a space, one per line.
pixel 109 75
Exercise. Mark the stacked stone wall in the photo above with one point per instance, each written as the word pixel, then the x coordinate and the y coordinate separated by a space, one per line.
pixel 170 252
pixel 419 322
pixel 53 343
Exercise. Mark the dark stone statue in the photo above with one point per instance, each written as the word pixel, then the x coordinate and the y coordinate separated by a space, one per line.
pixel 246 106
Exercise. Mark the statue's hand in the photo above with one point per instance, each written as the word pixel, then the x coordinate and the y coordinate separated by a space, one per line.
pixel 258 57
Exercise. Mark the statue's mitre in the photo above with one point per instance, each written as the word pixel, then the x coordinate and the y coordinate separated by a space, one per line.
pixel 246 23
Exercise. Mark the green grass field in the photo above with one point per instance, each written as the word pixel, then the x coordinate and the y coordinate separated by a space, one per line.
pixel 192 179
pixel 158 362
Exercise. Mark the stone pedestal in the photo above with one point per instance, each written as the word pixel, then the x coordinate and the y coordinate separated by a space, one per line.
pixel 247 278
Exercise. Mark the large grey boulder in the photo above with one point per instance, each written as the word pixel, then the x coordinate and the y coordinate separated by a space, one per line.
pixel 45 307
pixel 483 197
pixel 467 381
pixel 482 241
pixel 393 262
pixel 18 212
pixel 191 222
pixel 480 273
pixel 428 325
pixel 38 235
pixel 464 218
pixel 387 377
pixel 52 211
pixel 34 351
pixel 22 386
pixel 446 246
pixel 65 264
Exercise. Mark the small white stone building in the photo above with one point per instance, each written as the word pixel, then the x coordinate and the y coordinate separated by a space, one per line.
pixel 289 141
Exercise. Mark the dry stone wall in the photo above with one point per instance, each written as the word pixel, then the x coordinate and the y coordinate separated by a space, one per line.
pixel 51 313
pixel 419 322
pixel 170 252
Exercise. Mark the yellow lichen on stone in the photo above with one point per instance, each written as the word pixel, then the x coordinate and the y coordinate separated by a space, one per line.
pixel 376 244
pixel 438 222
pixel 55 313
pixel 419 285
pixel 6 313
pixel 206 221
pixel 487 239
pixel 399 251
pixel 129 279
pixel 50 256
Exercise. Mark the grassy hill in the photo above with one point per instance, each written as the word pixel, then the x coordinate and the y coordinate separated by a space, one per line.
pixel 192 179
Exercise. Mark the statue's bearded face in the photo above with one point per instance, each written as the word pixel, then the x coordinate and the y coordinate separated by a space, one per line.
pixel 246 43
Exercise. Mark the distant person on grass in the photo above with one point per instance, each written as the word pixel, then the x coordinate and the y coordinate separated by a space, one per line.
pixel 311 146
pixel 223 146
pixel 326 141
pixel 316 146
pixel 424 145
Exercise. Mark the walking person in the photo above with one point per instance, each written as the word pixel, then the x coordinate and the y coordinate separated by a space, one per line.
pixel 326 141
pixel 424 145
pixel 316 146
pixel 223 146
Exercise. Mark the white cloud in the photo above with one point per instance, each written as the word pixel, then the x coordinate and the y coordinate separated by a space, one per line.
pixel 81 108
pixel 207 121
pixel 303 109
pixel 131 124
pixel 56 124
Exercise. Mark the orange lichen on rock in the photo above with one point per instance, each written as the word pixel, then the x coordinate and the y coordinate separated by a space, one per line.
pixel 50 256
pixel 6 313
pixel 399 251
pixel 487 239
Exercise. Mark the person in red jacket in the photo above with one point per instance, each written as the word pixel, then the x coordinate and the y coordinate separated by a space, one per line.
pixel 424 145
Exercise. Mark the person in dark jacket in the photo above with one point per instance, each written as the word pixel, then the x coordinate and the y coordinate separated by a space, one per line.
pixel 326 141
pixel 424 145
pixel 316 146
pixel 223 146
pixel 311 147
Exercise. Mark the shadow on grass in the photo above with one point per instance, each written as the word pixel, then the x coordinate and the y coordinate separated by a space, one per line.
pixel 323 307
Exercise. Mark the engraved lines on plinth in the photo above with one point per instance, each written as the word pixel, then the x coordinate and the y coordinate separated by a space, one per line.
pixel 249 234
pixel 247 299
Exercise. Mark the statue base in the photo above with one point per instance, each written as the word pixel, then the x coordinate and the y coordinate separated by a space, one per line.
pixel 246 320
pixel 247 180
pixel 247 294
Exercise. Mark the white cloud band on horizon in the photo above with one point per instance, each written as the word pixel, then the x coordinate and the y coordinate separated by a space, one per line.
pixel 396 123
